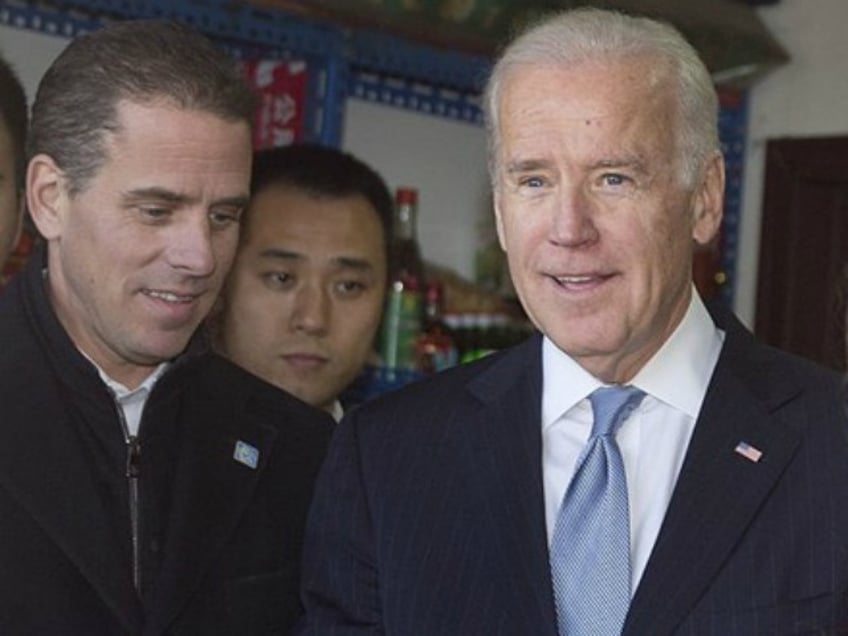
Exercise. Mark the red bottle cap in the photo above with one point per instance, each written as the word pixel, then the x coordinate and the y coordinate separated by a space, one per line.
pixel 406 195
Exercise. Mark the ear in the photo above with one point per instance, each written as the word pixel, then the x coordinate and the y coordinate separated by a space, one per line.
pixel 708 205
pixel 499 224
pixel 46 195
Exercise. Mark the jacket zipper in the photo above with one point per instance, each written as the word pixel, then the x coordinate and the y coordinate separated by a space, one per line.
pixel 133 472
pixel 133 469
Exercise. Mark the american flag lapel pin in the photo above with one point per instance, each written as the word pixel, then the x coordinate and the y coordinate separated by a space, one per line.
pixel 749 452
pixel 246 454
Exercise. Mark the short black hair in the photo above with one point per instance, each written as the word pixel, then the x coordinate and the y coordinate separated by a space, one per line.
pixel 13 113
pixel 325 172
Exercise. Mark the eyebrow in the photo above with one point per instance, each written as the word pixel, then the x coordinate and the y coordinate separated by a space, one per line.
pixel 526 165
pixel 529 165
pixel 354 263
pixel 170 196
pixel 349 262
pixel 630 161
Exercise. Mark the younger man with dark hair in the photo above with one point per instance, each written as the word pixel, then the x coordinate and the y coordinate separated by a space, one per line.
pixel 304 298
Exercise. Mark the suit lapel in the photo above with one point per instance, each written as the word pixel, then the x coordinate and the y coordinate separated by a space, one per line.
pixel 506 444
pixel 719 490
pixel 214 484
pixel 44 466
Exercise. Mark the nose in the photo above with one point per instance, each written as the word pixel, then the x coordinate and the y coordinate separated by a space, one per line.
pixel 192 249
pixel 311 311
pixel 574 220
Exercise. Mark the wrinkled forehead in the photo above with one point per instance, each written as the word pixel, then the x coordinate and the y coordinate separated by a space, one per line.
pixel 609 78
pixel 614 97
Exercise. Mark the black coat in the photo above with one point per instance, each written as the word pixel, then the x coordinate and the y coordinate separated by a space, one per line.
pixel 220 540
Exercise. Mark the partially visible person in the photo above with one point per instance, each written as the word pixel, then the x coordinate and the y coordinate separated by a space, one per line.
pixel 147 486
pixel 13 129
pixel 303 302
pixel 641 467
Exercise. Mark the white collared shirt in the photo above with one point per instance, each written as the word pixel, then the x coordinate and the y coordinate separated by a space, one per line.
pixel 132 401
pixel 337 411
pixel 653 440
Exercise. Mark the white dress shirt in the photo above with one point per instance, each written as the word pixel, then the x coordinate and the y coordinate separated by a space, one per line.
pixel 337 411
pixel 653 440
pixel 132 401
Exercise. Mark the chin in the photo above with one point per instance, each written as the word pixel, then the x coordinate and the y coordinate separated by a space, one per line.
pixel 165 352
pixel 577 345
pixel 302 394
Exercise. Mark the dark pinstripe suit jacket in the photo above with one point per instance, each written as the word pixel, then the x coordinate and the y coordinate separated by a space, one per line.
pixel 429 519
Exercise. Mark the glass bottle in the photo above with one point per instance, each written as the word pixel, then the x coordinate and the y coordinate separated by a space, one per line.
pixel 402 317
pixel 401 325
pixel 435 347
pixel 407 262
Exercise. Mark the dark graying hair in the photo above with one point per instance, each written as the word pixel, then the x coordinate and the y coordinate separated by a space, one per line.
pixel 141 61
pixel 589 34
pixel 13 114
pixel 323 172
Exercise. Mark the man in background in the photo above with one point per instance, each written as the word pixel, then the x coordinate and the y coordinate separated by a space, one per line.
pixel 641 467
pixel 147 486
pixel 303 302
pixel 13 128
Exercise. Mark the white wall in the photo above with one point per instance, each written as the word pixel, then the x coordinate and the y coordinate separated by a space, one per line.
pixel 30 53
pixel 446 159
pixel 806 97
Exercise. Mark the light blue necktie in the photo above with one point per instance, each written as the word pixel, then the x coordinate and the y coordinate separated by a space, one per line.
pixel 590 550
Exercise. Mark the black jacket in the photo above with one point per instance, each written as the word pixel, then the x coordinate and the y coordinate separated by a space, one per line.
pixel 218 541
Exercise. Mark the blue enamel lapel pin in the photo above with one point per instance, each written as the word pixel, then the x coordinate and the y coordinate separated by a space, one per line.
pixel 246 454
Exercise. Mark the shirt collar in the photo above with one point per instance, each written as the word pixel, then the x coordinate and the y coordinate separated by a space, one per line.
pixel 564 382
pixel 121 392
pixel 677 374
pixel 337 411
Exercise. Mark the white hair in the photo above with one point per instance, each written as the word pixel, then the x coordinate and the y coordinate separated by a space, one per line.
pixel 588 34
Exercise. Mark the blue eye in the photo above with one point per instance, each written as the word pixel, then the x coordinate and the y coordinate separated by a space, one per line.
pixel 532 182
pixel 614 179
